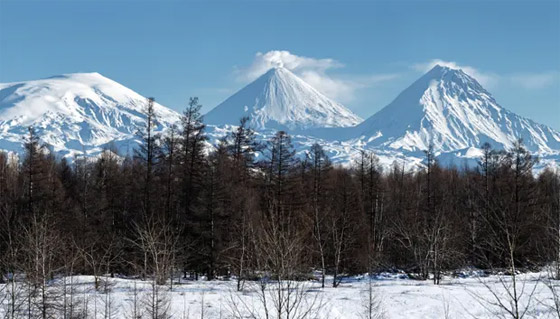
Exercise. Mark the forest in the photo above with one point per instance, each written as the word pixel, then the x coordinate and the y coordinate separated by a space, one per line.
pixel 248 210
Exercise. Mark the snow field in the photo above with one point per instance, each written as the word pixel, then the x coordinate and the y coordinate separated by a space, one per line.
pixel 396 296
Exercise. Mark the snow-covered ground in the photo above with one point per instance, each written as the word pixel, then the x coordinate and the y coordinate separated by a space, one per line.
pixel 399 297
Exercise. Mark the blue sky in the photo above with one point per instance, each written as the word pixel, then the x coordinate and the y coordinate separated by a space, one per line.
pixel 361 53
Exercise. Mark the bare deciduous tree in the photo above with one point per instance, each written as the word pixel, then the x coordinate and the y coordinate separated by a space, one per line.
pixel 157 243
pixel 41 246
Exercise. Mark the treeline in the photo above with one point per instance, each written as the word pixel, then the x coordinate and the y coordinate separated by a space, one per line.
pixel 250 209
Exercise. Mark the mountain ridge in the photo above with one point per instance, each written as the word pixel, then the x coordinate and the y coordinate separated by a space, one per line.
pixel 88 112
pixel 451 110
pixel 75 112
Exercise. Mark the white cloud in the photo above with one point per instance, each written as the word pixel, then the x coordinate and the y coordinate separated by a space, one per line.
pixel 534 80
pixel 265 61
pixel 335 88
pixel 313 71
pixel 486 79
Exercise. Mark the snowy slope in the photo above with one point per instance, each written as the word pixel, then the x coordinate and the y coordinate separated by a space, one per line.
pixel 445 106
pixel 453 111
pixel 75 112
pixel 280 100
pixel 86 111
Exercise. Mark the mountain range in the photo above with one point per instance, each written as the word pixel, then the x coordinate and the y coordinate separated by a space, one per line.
pixel 451 110
pixel 447 108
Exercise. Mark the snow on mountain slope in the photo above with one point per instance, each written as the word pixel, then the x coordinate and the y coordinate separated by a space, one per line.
pixel 340 151
pixel 280 100
pixel 445 107
pixel 453 111
pixel 86 111
pixel 75 112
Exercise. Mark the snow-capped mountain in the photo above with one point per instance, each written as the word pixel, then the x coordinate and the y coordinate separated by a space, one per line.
pixel 451 110
pixel 446 107
pixel 280 100
pixel 75 112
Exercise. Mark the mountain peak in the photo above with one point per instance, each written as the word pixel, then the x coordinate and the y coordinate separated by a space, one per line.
pixel 78 75
pixel 439 68
pixel 282 73
pixel 277 71
pixel 279 99
pixel 75 112
pixel 92 74
pixel 278 67
pixel 447 67
pixel 440 71
pixel 449 109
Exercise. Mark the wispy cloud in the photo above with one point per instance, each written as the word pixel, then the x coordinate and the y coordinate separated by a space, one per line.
pixel 265 61
pixel 536 80
pixel 314 71
pixel 485 78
